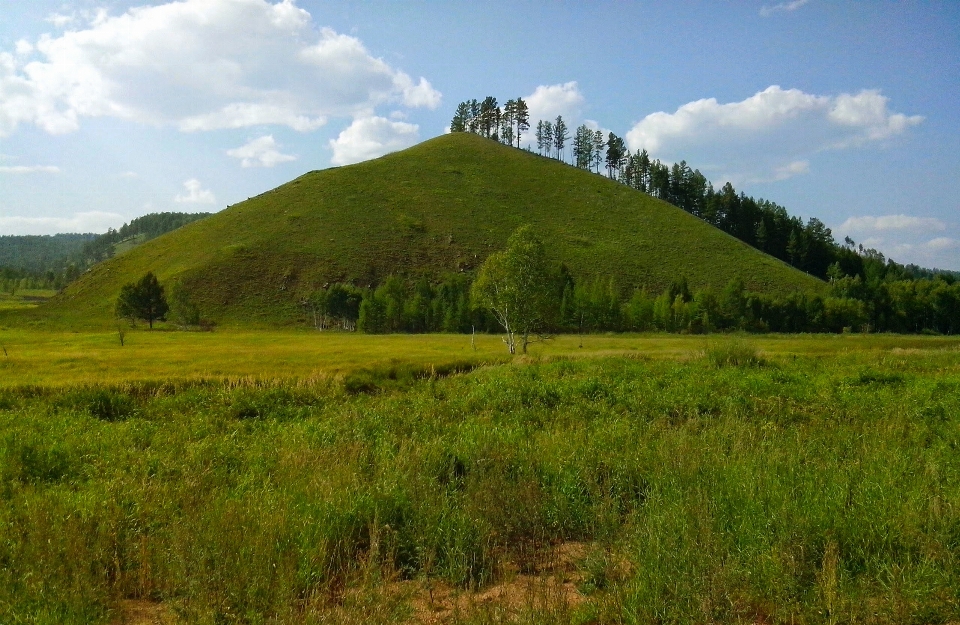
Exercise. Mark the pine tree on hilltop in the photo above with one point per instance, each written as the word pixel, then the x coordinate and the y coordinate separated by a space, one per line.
pixel 521 117
pixel 560 136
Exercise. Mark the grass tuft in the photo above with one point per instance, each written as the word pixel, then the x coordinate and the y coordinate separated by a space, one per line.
pixel 734 352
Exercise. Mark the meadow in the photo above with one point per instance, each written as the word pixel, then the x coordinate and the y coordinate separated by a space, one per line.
pixel 295 477
pixel 24 299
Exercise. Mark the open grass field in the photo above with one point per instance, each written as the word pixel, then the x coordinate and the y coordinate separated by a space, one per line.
pixel 441 206
pixel 24 299
pixel 71 358
pixel 293 477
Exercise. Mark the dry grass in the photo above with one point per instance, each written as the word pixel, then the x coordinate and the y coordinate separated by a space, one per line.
pixel 69 358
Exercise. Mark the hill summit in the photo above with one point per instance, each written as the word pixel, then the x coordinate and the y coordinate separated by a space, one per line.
pixel 441 206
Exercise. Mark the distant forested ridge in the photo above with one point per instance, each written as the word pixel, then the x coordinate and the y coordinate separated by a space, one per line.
pixel 41 253
pixel 51 261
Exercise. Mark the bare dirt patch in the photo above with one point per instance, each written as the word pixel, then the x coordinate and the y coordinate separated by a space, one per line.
pixel 550 584
pixel 143 612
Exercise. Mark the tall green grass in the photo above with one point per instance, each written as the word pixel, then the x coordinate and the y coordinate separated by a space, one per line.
pixel 807 490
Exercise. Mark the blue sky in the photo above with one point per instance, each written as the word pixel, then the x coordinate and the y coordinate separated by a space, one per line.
pixel 847 112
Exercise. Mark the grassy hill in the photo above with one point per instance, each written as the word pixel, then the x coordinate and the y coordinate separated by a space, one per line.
pixel 440 206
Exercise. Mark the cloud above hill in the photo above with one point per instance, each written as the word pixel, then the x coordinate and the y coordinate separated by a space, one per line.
pixel 869 224
pixel 195 194
pixel 370 137
pixel 548 101
pixel 200 65
pixel 770 135
pixel 261 152
pixel 925 241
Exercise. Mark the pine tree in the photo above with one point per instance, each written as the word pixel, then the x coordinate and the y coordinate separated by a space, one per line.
pixel 583 147
pixel 547 138
pixel 142 300
pixel 643 164
pixel 473 124
pixel 616 150
pixel 762 236
pixel 598 145
pixel 489 113
pixel 521 118
pixel 461 118
pixel 507 121
pixel 560 136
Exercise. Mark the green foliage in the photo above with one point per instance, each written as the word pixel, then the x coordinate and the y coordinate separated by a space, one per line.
pixel 815 489
pixel 515 286
pixel 338 305
pixel 142 300
pixel 37 254
pixel 183 310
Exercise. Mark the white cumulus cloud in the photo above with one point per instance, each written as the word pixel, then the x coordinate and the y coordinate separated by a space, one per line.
pixel 548 101
pixel 939 252
pixel 29 169
pixel 262 152
pixel 370 137
pixel 870 224
pixel 93 221
pixel 61 20
pixel 906 238
pixel 768 135
pixel 200 65
pixel 196 194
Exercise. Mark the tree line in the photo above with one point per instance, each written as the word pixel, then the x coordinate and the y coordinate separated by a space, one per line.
pixel 518 292
pixel 567 305
pixel 487 119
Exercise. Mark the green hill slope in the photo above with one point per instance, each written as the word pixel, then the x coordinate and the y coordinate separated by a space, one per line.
pixel 440 206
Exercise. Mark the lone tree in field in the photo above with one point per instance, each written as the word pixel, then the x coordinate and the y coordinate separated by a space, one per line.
pixel 142 300
pixel 515 285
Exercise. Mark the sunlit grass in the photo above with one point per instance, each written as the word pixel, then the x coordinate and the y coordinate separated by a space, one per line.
pixel 814 481
pixel 68 358
pixel 24 299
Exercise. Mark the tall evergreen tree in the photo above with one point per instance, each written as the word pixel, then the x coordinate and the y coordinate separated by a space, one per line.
pixel 583 147
pixel 598 145
pixel 461 118
pixel 473 125
pixel 616 149
pixel 547 138
pixel 489 114
pixel 560 136
pixel 643 166
pixel 507 121
pixel 521 118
